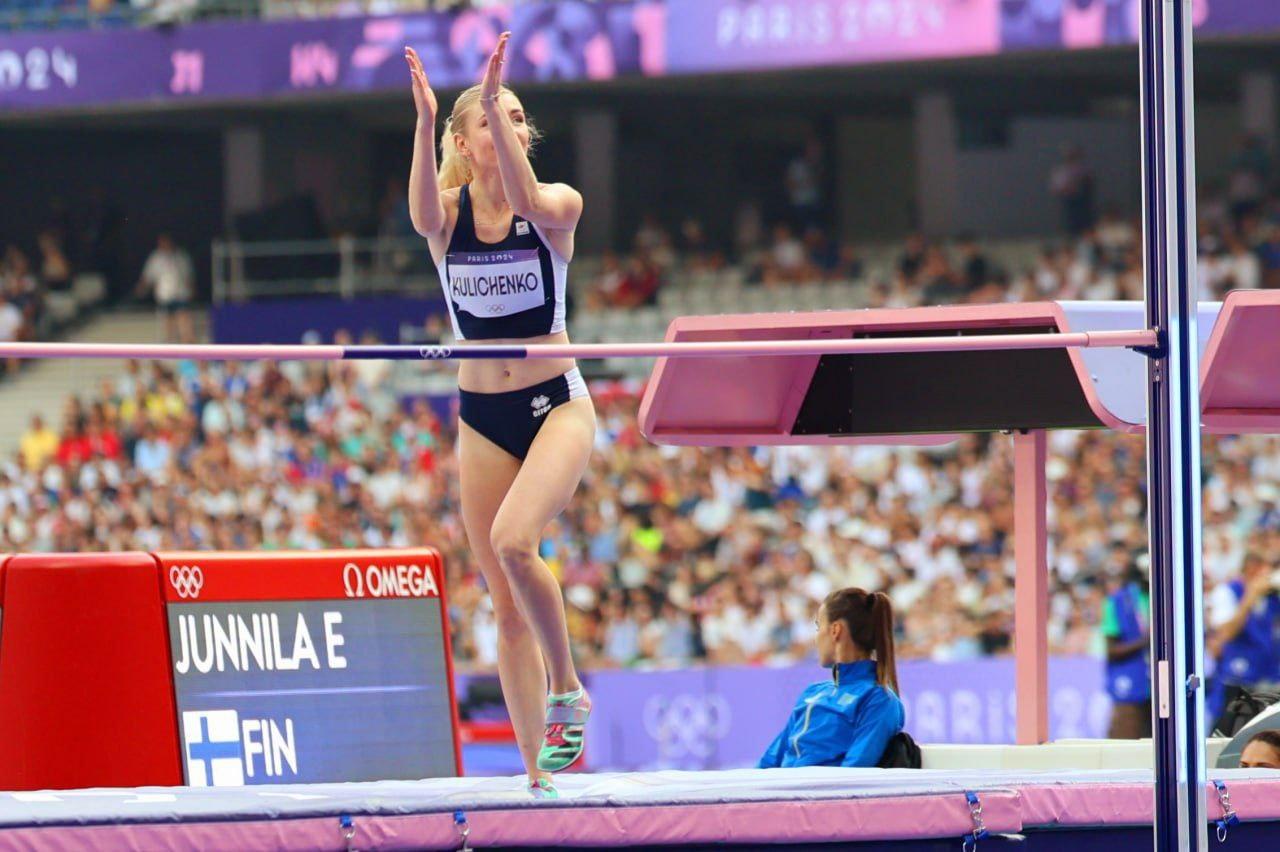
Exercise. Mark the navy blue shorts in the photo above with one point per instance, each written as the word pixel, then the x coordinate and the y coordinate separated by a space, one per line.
pixel 512 419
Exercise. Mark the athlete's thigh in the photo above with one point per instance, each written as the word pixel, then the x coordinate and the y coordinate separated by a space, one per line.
pixel 552 469
pixel 485 473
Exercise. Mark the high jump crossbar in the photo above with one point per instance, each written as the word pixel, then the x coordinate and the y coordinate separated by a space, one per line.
pixel 1141 339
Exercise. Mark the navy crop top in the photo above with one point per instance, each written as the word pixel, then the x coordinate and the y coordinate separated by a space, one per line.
pixel 513 288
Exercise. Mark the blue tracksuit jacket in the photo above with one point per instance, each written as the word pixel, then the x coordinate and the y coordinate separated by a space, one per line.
pixel 845 721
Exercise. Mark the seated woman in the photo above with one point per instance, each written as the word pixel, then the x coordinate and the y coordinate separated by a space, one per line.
pixel 848 720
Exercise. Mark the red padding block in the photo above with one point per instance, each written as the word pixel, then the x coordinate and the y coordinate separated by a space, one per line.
pixel 85 693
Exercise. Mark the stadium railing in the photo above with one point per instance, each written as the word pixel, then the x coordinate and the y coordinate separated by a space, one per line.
pixel 345 267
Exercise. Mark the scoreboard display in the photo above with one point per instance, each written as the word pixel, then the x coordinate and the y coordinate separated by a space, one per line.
pixel 310 667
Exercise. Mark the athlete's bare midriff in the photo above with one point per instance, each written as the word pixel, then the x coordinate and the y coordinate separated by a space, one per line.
pixel 498 376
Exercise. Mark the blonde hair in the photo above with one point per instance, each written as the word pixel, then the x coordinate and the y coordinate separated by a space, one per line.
pixel 455 169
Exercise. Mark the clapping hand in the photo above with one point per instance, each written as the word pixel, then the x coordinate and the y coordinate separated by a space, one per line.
pixel 423 98
pixel 491 87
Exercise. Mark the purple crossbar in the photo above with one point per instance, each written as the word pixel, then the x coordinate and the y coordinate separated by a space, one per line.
pixel 703 349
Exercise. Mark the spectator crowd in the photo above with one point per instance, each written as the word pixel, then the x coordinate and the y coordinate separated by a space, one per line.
pixel 53 279
pixel 1099 256
pixel 666 555
pixel 23 290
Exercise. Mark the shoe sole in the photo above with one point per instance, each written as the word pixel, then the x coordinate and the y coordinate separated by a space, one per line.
pixel 577 759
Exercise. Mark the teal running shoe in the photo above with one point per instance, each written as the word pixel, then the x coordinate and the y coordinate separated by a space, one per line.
pixel 566 723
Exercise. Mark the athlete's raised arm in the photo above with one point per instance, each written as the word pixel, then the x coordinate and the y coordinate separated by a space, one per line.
pixel 425 207
pixel 555 206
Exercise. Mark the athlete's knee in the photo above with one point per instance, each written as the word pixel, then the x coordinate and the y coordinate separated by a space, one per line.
pixel 516 550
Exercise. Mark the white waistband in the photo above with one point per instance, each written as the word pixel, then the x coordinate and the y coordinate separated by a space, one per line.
pixel 577 386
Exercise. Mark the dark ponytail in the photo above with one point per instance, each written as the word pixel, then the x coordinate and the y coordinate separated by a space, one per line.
pixel 868 616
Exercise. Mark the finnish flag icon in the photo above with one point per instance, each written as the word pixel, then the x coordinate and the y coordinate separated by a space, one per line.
pixel 213 752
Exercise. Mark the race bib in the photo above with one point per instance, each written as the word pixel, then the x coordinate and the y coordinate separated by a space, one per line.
pixel 495 283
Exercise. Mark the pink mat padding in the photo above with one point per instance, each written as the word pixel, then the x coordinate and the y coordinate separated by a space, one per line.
pixel 1132 804
pixel 1076 805
pixel 261 836
pixel 1032 806
pixel 740 822
pixel 752 822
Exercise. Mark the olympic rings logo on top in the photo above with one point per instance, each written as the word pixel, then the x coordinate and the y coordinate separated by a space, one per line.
pixel 687 726
pixel 187 580
pixel 435 353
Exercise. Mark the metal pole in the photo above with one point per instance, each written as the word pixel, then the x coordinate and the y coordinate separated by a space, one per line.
pixel 1173 425
pixel 1031 587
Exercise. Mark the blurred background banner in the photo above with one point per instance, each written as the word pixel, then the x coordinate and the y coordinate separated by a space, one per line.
pixel 567 41
pixel 722 718
pixel 1098 23
pixel 552 41
pixel 729 35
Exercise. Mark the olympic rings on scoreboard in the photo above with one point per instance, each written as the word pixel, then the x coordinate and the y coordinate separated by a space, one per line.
pixel 187 580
